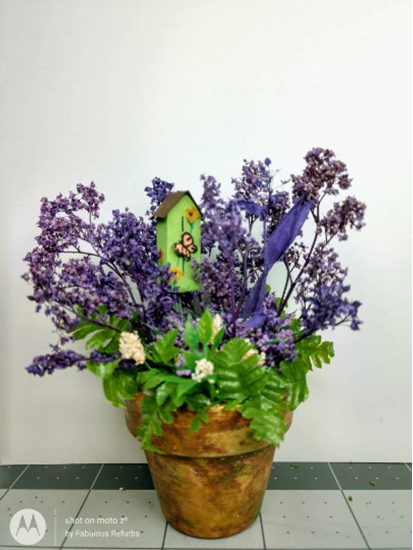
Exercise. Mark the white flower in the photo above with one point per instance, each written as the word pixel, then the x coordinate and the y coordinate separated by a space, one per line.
pixel 203 369
pixel 131 347
pixel 263 358
pixel 217 324
pixel 252 352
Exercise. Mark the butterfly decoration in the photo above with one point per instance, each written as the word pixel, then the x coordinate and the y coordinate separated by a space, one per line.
pixel 186 246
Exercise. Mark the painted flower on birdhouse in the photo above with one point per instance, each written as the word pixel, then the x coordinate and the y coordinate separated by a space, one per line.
pixel 176 274
pixel 191 215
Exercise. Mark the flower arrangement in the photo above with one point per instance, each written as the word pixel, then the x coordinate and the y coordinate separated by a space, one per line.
pixel 234 341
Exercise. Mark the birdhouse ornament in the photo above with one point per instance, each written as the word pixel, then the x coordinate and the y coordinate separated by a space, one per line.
pixel 178 238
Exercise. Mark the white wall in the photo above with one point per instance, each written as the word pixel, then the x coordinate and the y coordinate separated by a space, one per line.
pixel 120 91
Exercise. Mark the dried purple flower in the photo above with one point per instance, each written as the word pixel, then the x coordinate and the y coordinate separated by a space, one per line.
pixel 157 192
pixel 346 214
pixel 323 174
pixel 109 272
pixel 328 309
pixel 59 359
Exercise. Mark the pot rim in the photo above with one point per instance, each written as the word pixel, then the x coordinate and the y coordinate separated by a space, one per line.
pixel 226 433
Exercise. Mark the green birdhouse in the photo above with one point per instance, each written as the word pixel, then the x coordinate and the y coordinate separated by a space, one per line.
pixel 178 238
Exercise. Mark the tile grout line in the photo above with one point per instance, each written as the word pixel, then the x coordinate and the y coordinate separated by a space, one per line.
pixel 349 507
pixel 83 503
pixel 262 532
pixel 164 535
pixel 14 482
pixel 407 466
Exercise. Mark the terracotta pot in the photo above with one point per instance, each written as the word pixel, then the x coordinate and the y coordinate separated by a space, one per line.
pixel 212 484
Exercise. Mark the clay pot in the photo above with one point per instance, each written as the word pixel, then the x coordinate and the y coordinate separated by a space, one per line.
pixel 212 484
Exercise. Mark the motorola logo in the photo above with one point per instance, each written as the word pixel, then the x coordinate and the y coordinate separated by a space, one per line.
pixel 27 527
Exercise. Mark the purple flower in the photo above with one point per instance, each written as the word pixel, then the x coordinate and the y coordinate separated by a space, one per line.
pixel 346 214
pixel 216 290
pixel 279 204
pixel 80 267
pixel 255 182
pixel 109 273
pixel 323 174
pixel 252 208
pixel 128 246
pixel 212 205
pixel 59 359
pixel 320 268
pixel 183 373
pixel 157 192
pixel 328 309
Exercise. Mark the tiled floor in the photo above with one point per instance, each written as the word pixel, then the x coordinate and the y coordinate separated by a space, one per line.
pixel 317 506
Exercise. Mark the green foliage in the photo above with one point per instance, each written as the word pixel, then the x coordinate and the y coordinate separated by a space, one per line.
pixel 262 394
pixel 311 351
pixel 102 370
pixel 163 351
pixel 191 358
pixel 295 381
pixel 105 339
pixel 169 393
pixel 118 387
pixel 201 416
pixel 237 378
pixel 233 351
pixel 151 423
pixel 149 379
pixel 196 401
pixel 265 409
pixel 314 352
pixel 205 327
pixel 191 336
pixel 274 391
pixel 266 420
pixel 218 339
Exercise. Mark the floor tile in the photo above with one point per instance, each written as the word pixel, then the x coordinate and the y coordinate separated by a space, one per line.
pixel 65 503
pixel 119 519
pixel 62 476
pixel 3 492
pixel 301 476
pixel 385 517
pixel 374 476
pixel 309 519
pixel 9 474
pixel 249 539
pixel 128 476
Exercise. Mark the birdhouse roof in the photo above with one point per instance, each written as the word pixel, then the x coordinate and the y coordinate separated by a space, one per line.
pixel 169 202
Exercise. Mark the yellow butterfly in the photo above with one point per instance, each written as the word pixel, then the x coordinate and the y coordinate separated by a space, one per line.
pixel 186 246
